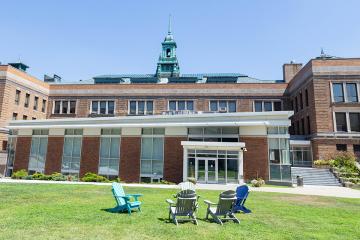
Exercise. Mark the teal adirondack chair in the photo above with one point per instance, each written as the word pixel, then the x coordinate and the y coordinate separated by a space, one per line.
pixel 123 200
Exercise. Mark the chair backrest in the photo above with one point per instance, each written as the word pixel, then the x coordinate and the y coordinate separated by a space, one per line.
pixel 118 193
pixel 242 192
pixel 187 186
pixel 185 206
pixel 186 194
pixel 226 202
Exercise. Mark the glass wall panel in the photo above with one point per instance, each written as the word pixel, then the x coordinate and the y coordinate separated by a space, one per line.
pixel 38 154
pixel 152 153
pixel 71 155
pixel 279 158
pixel 109 156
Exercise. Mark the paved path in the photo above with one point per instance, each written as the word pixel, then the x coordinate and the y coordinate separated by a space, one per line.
pixel 328 191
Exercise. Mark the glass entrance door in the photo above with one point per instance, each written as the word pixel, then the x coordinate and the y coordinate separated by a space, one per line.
pixel 206 170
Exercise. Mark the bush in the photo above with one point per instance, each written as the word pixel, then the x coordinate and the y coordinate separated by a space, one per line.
pixel 41 176
pixel 321 162
pixel 21 174
pixel 92 177
pixel 345 160
pixel 257 182
pixel 57 177
pixel 166 182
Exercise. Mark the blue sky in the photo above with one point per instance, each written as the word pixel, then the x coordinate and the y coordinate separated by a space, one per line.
pixel 82 39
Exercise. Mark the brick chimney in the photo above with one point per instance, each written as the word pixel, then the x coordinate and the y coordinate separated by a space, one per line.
pixel 290 70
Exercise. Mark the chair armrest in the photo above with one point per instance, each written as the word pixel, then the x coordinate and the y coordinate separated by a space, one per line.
pixel 125 197
pixel 208 202
pixel 134 196
pixel 170 202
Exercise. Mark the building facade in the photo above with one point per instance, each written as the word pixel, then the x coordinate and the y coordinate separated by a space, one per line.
pixel 217 128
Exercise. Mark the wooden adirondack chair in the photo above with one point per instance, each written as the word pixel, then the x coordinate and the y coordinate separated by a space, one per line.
pixel 242 192
pixel 185 206
pixel 187 186
pixel 123 200
pixel 223 210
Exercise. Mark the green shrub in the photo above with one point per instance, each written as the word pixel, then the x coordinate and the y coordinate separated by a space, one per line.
pixel 57 177
pixel 21 174
pixel 321 162
pixel 92 177
pixel 166 182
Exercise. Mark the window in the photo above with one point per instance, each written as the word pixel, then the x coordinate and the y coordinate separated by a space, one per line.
pixel 341 147
pixel 141 108
pixel 17 97
pixel 341 125
pixel 180 105
pixel 71 151
pixel 40 132
pixel 38 154
pixel 214 134
pixel 64 107
pixel 33 118
pixel 25 117
pixel 302 126
pixel 222 106
pixel 308 125
pixel 267 106
pixel 306 97
pixel 11 155
pixel 296 105
pixel 43 107
pixel 27 100
pixel 357 151
pixel 4 145
pixel 14 116
pixel 102 107
pixel 36 102
pixel 279 159
pixel 109 153
pixel 168 52
pixel 338 92
pixel 354 122
pixel 301 101
pixel 351 92
pixel 152 153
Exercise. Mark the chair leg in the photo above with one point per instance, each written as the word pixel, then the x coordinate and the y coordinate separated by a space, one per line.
pixel 234 218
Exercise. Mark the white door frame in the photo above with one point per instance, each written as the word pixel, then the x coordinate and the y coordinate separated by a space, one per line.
pixel 206 159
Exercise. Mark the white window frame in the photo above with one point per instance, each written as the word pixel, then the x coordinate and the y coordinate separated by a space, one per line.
pixel 265 100
pixel 98 103
pixel 71 171
pixel 227 104
pixel 61 106
pixel 145 106
pixel 38 169
pixel 344 91
pixel 177 104
pixel 110 136
pixel 347 115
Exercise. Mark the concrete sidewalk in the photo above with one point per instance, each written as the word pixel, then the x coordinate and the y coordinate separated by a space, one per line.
pixel 327 191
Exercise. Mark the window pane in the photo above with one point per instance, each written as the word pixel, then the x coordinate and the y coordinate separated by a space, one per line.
pixel 338 92
pixel 102 107
pixel 267 106
pixel 158 148
pixel 72 106
pixel 105 145
pixel 132 107
pixel 146 148
pixel 141 107
pixel 195 131
pixel 277 106
pixel 149 107
pixel 190 105
pixel 115 145
pixel 172 105
pixel 181 105
pixel 64 107
pixel 159 131
pixel 94 107
pixel 230 130
pixel 212 130
pixel 232 106
pixel 351 92
pixel 213 106
pixel 77 147
pixel 258 106
pixel 354 122
pixel 111 107
pixel 222 104
pixel 341 122
pixel 57 107
pixel 157 167
pixel 146 167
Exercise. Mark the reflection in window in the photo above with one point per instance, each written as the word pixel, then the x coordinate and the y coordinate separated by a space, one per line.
pixel 338 92
pixel 351 92
pixel 341 125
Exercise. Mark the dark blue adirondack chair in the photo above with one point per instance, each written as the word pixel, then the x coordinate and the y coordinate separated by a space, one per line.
pixel 123 201
pixel 242 193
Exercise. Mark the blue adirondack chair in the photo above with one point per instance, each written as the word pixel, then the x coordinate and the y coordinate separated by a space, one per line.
pixel 242 193
pixel 123 200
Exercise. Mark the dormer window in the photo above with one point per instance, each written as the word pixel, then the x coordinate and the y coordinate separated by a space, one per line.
pixel 168 52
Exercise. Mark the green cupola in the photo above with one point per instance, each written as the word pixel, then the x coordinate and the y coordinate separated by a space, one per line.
pixel 168 65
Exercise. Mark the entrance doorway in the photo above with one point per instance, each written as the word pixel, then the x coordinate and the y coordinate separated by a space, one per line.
pixel 206 170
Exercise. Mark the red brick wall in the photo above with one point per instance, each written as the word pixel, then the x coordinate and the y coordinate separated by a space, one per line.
pixel 256 163
pixel 173 159
pixel 130 159
pixel 322 148
pixel 23 146
pixel 54 154
pixel 89 155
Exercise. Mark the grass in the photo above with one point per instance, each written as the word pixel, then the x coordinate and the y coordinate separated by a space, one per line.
pixel 42 211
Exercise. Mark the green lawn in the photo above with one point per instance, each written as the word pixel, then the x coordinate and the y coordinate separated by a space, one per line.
pixel 77 212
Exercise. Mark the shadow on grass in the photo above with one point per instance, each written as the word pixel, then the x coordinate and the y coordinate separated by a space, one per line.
pixel 114 210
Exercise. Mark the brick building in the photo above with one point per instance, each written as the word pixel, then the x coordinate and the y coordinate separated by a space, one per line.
pixel 215 127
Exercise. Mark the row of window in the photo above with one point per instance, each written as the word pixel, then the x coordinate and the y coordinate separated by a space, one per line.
pixel 302 126
pixel 345 92
pixel 27 101
pixel 146 107
pixel 24 117
pixel 297 102
pixel 347 121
